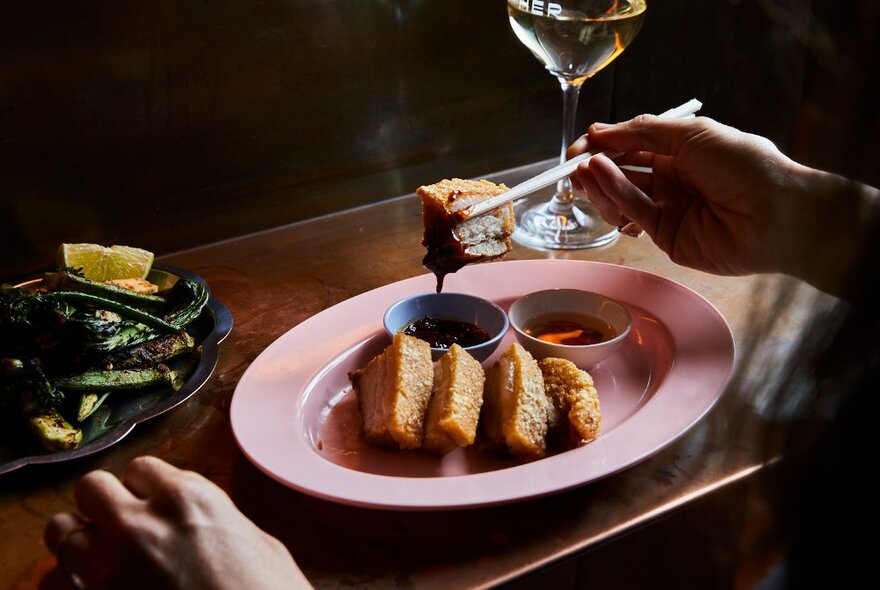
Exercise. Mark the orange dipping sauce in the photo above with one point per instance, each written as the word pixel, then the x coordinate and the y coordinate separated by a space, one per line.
pixel 572 330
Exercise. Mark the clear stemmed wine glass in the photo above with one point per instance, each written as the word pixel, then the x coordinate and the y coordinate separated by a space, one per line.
pixel 574 39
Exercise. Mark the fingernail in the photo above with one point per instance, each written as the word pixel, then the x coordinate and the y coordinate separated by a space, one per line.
pixel 600 126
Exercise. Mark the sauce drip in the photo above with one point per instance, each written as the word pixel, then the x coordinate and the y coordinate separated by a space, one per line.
pixel 440 333
pixel 445 252
pixel 570 330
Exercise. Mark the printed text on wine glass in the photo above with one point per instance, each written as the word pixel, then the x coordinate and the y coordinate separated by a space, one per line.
pixel 540 7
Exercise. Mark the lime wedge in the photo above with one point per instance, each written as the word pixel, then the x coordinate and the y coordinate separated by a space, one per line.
pixel 100 263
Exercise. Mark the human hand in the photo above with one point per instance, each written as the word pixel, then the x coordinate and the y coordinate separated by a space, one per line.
pixel 716 200
pixel 162 527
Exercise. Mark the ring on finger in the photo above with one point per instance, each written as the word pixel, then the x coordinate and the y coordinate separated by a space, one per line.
pixel 629 228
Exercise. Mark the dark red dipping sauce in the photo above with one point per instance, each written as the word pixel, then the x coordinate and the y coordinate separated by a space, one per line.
pixel 446 254
pixel 440 333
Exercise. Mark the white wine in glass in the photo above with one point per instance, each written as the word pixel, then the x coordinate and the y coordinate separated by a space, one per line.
pixel 574 39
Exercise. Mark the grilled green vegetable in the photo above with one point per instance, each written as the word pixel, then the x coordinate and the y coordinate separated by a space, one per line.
pixel 125 311
pixel 111 336
pixel 55 433
pixel 194 296
pixel 88 403
pixel 185 367
pixel 66 345
pixel 118 380
pixel 24 381
pixel 67 281
pixel 155 351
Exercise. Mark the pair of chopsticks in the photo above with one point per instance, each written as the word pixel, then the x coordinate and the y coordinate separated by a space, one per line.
pixel 685 111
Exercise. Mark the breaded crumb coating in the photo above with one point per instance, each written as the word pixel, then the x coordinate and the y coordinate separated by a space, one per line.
pixel 456 399
pixel 574 398
pixel 393 392
pixel 515 406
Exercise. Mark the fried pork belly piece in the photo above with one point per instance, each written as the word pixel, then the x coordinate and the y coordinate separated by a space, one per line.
pixel 576 415
pixel 452 241
pixel 393 392
pixel 455 402
pixel 515 408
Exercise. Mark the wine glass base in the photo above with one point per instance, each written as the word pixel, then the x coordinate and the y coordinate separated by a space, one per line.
pixel 537 226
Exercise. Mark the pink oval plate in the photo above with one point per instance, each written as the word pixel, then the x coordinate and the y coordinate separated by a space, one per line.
pixel 294 415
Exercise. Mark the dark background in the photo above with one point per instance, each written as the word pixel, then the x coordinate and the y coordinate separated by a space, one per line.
pixel 167 124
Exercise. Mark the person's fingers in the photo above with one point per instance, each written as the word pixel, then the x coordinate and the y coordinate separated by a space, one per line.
pixel 641 178
pixel 73 543
pixel 642 159
pixel 606 207
pixel 631 202
pixel 58 527
pixel 647 133
pixel 77 553
pixel 146 476
pixel 177 493
pixel 580 146
pixel 58 579
pixel 101 497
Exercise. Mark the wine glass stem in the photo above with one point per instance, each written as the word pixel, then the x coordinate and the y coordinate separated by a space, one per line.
pixel 561 204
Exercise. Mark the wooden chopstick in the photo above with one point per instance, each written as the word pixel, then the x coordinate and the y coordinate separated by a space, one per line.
pixel 684 111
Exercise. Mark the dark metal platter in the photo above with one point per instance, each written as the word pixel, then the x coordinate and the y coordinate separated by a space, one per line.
pixel 122 412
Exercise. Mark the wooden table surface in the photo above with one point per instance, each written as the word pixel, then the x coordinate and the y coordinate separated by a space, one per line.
pixel 274 280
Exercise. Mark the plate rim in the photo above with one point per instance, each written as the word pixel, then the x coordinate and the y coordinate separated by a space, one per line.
pixel 724 336
pixel 222 321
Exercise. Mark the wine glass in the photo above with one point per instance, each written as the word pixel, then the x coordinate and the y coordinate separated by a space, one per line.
pixel 574 39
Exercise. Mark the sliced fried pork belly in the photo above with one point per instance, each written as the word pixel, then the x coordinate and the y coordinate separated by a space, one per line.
pixel 456 399
pixel 393 391
pixel 452 239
